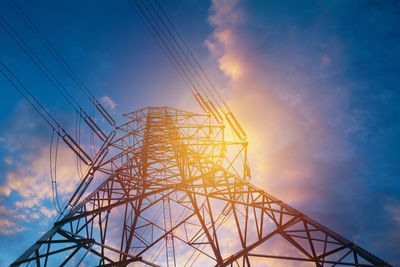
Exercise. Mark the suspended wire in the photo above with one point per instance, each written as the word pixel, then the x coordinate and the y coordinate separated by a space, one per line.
pixel 40 109
pixel 193 65
pixel 170 47
pixel 166 32
pixel 161 26
pixel 91 135
pixel 53 176
pixel 51 169
pixel 50 76
pixel 77 138
pixel 173 59
pixel 169 57
pixel 47 117
pixel 39 63
pixel 67 68
pixel 18 10
pixel 167 36
pixel 173 42
pixel 190 52
pixel 194 58
pixel 61 211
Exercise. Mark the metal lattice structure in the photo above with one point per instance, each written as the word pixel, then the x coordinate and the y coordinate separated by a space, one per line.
pixel 175 191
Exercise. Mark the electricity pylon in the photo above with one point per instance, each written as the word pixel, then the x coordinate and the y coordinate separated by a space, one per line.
pixel 175 191
pixel 170 187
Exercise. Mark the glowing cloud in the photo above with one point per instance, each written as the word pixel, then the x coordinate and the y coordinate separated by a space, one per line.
pixel 223 42
pixel 32 184
pixel 8 227
pixel 287 138
pixel 108 102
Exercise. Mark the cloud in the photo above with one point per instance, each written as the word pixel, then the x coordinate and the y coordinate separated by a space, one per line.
pixel 108 102
pixel 27 181
pixel 12 213
pixel 32 180
pixel 5 190
pixel 8 227
pixel 30 183
pixel 277 122
pixel 325 60
pixel 394 211
pixel 225 12
pixel 223 42
pixel 49 213
pixel 8 160
pixel 10 221
pixel 305 115
pixel 294 126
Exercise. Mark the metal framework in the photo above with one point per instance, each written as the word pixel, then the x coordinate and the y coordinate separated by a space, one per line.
pixel 173 190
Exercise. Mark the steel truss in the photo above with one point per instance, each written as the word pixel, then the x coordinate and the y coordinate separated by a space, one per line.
pixel 177 193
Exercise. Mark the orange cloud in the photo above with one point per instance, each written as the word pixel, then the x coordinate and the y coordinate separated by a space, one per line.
pixel 222 43
pixel 225 12
pixel 108 102
pixel 230 66
pixel 32 182
pixel 8 227
pixel 5 190
pixel 47 212
pixel 277 123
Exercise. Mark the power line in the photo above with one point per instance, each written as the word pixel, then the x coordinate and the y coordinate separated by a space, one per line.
pixel 67 68
pixel 176 60
pixel 174 48
pixel 190 52
pixel 56 203
pixel 44 113
pixel 39 63
pixel 187 57
pixel 204 91
pixel 33 101
pixel 164 46
pixel 35 30
pixel 51 77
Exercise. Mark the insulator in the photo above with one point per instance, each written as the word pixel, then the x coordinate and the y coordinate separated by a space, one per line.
pixel 76 148
pixel 105 114
pixel 216 114
pixel 202 103
pixel 235 126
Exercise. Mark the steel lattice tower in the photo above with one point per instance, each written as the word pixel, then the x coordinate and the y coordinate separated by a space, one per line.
pixel 176 192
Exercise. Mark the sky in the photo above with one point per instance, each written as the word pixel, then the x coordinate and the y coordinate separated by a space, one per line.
pixel 315 85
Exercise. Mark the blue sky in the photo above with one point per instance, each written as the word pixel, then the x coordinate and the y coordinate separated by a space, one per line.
pixel 314 83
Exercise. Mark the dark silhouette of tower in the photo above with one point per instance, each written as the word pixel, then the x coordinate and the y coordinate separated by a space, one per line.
pixel 176 192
